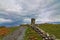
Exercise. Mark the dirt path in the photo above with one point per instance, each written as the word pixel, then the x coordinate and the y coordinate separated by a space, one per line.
pixel 22 35
pixel 17 35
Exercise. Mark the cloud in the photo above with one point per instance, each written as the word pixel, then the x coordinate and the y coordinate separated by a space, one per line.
pixel 15 8
pixel 2 20
pixel 10 5
pixel 27 21
pixel 46 20
pixel 23 10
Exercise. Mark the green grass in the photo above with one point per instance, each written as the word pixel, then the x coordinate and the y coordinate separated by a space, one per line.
pixel 12 29
pixel 31 34
pixel 1 37
pixel 51 29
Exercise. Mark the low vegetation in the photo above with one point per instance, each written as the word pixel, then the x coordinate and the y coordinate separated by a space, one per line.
pixel 3 31
pixel 6 31
pixel 52 29
pixel 12 29
pixel 31 35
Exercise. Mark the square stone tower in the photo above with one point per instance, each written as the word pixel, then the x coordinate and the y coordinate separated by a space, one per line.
pixel 32 21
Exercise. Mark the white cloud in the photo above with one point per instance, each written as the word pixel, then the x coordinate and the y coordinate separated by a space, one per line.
pixel 2 20
pixel 42 10
pixel 10 5
pixel 26 20
pixel 29 4
pixel 15 8
pixel 38 20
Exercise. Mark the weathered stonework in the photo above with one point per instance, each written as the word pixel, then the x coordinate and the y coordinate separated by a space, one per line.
pixel 32 21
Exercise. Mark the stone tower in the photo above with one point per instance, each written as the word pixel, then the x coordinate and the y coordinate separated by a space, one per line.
pixel 32 21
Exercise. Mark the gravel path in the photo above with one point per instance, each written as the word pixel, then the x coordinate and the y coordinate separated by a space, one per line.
pixel 16 35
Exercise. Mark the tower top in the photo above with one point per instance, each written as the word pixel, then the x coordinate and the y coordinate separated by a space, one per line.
pixel 33 18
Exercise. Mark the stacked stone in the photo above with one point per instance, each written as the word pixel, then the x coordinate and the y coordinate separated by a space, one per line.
pixel 44 35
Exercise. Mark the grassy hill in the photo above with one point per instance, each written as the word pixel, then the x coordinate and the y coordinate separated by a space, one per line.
pixel 53 29
pixel 31 34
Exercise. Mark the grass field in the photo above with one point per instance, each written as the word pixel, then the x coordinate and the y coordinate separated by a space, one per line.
pixel 31 35
pixel 12 29
pixel 53 29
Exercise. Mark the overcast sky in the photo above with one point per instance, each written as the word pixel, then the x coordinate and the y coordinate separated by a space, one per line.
pixel 15 12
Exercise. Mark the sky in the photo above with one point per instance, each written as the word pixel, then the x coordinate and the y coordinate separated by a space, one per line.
pixel 16 12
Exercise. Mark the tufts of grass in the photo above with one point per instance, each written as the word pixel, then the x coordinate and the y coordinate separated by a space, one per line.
pixel 12 29
pixel 31 35
pixel 51 29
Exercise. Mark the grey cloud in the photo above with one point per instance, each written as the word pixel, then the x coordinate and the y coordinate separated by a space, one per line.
pixel 44 9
